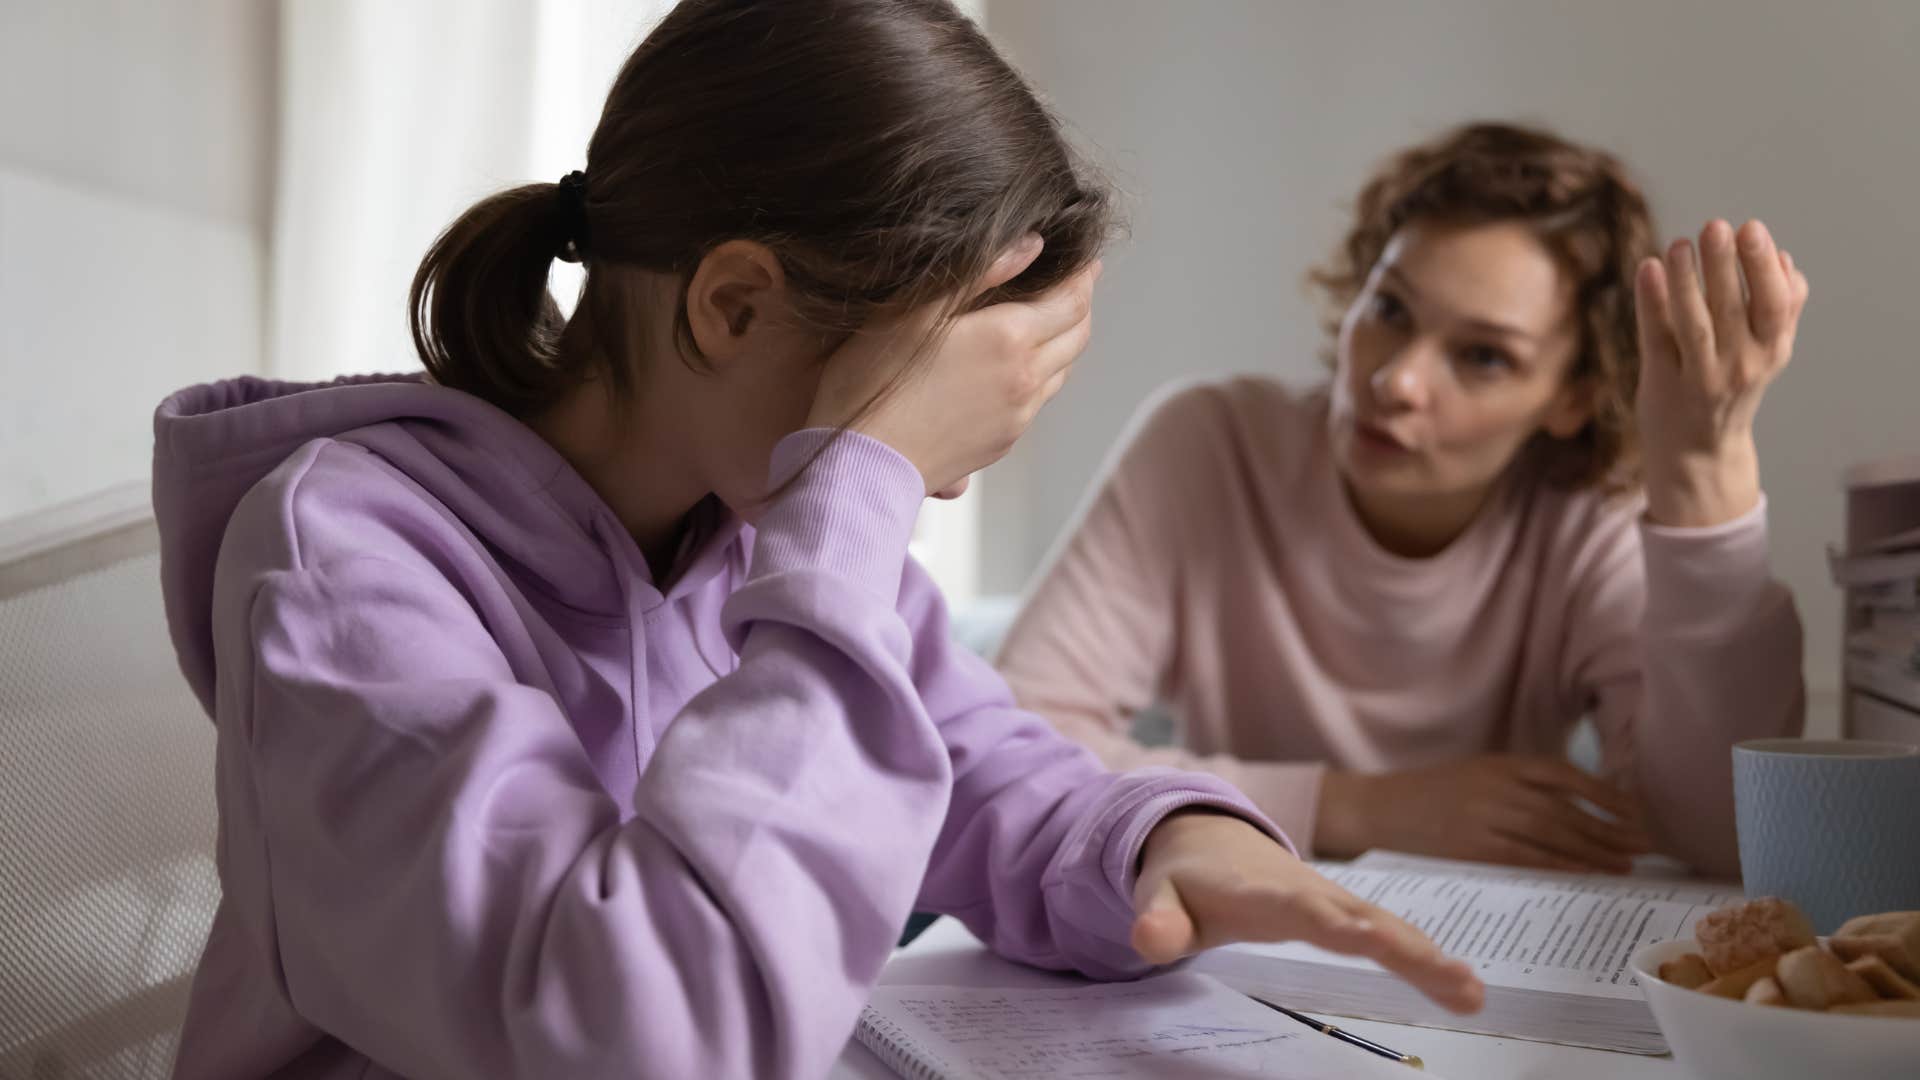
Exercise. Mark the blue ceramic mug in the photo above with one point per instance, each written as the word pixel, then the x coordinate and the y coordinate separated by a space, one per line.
pixel 1832 825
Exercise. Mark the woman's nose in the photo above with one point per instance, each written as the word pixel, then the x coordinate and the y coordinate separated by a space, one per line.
pixel 1405 380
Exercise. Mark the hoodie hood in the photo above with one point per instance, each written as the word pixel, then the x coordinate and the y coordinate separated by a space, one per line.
pixel 497 477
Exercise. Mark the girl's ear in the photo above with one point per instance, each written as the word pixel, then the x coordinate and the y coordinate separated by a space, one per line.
pixel 734 294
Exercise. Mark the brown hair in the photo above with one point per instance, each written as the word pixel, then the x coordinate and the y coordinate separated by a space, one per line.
pixel 881 148
pixel 1585 209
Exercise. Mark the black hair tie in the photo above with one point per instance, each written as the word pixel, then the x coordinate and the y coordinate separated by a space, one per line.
pixel 573 215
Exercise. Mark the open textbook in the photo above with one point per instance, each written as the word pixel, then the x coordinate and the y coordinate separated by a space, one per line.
pixel 1180 1025
pixel 1551 947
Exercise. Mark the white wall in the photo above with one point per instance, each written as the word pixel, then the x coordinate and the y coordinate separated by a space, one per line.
pixel 134 191
pixel 395 118
pixel 1241 128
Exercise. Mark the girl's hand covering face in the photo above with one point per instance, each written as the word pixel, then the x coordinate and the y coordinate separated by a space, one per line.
pixel 960 407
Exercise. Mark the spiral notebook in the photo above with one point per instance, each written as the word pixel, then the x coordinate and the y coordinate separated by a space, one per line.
pixel 1181 1025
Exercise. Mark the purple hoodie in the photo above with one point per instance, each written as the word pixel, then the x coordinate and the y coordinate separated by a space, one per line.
pixel 492 803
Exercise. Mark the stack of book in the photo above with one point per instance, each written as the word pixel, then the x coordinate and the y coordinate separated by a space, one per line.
pixel 1883 636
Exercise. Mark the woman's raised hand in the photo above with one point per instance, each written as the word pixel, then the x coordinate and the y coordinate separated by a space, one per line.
pixel 1712 337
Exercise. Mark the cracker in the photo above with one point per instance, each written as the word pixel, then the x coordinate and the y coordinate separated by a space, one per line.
pixel 1735 984
pixel 1735 938
pixel 1886 982
pixel 1766 992
pixel 1893 936
pixel 1910 1009
pixel 1812 978
pixel 1690 971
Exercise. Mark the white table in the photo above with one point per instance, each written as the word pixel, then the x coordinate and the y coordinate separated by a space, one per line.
pixel 950 956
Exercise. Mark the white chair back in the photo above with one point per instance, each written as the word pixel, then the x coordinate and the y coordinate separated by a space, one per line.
pixel 107 817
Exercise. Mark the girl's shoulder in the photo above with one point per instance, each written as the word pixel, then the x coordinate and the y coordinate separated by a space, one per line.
pixel 330 498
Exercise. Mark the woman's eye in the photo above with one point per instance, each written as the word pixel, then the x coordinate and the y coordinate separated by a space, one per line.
pixel 1485 360
pixel 1388 309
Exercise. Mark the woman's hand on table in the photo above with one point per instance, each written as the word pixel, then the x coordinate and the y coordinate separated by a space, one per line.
pixel 1208 878
pixel 1501 808
pixel 1709 347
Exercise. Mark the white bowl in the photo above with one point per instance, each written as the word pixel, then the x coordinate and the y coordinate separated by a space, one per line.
pixel 1715 1038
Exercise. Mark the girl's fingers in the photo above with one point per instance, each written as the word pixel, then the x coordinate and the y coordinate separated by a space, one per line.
pixel 1322 918
pixel 1047 389
pixel 1720 266
pixel 1321 914
pixel 1010 264
pixel 1055 312
pixel 1692 323
pixel 1059 353
pixel 1262 913
pixel 1163 931
pixel 1396 946
pixel 1053 385
pixel 1334 920
pixel 1770 311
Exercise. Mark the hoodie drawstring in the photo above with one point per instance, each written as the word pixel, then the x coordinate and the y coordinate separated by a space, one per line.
pixel 608 535
pixel 700 635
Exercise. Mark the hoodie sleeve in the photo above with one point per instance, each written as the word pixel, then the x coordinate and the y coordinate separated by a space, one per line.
pixel 1683 644
pixel 445 886
pixel 1038 851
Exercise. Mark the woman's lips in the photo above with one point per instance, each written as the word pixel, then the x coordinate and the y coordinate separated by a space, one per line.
pixel 1379 438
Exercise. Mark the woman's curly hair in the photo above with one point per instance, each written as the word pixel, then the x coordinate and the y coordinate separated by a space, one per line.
pixel 1587 211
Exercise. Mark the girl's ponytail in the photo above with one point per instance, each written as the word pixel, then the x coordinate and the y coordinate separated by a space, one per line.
pixel 482 318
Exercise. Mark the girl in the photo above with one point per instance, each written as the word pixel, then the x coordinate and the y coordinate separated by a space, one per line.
pixel 1380 608
pixel 579 710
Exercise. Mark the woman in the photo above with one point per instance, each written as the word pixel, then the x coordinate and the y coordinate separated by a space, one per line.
pixel 1380 608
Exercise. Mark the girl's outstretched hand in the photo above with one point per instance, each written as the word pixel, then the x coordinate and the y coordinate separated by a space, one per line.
pixel 1708 350
pixel 1208 879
